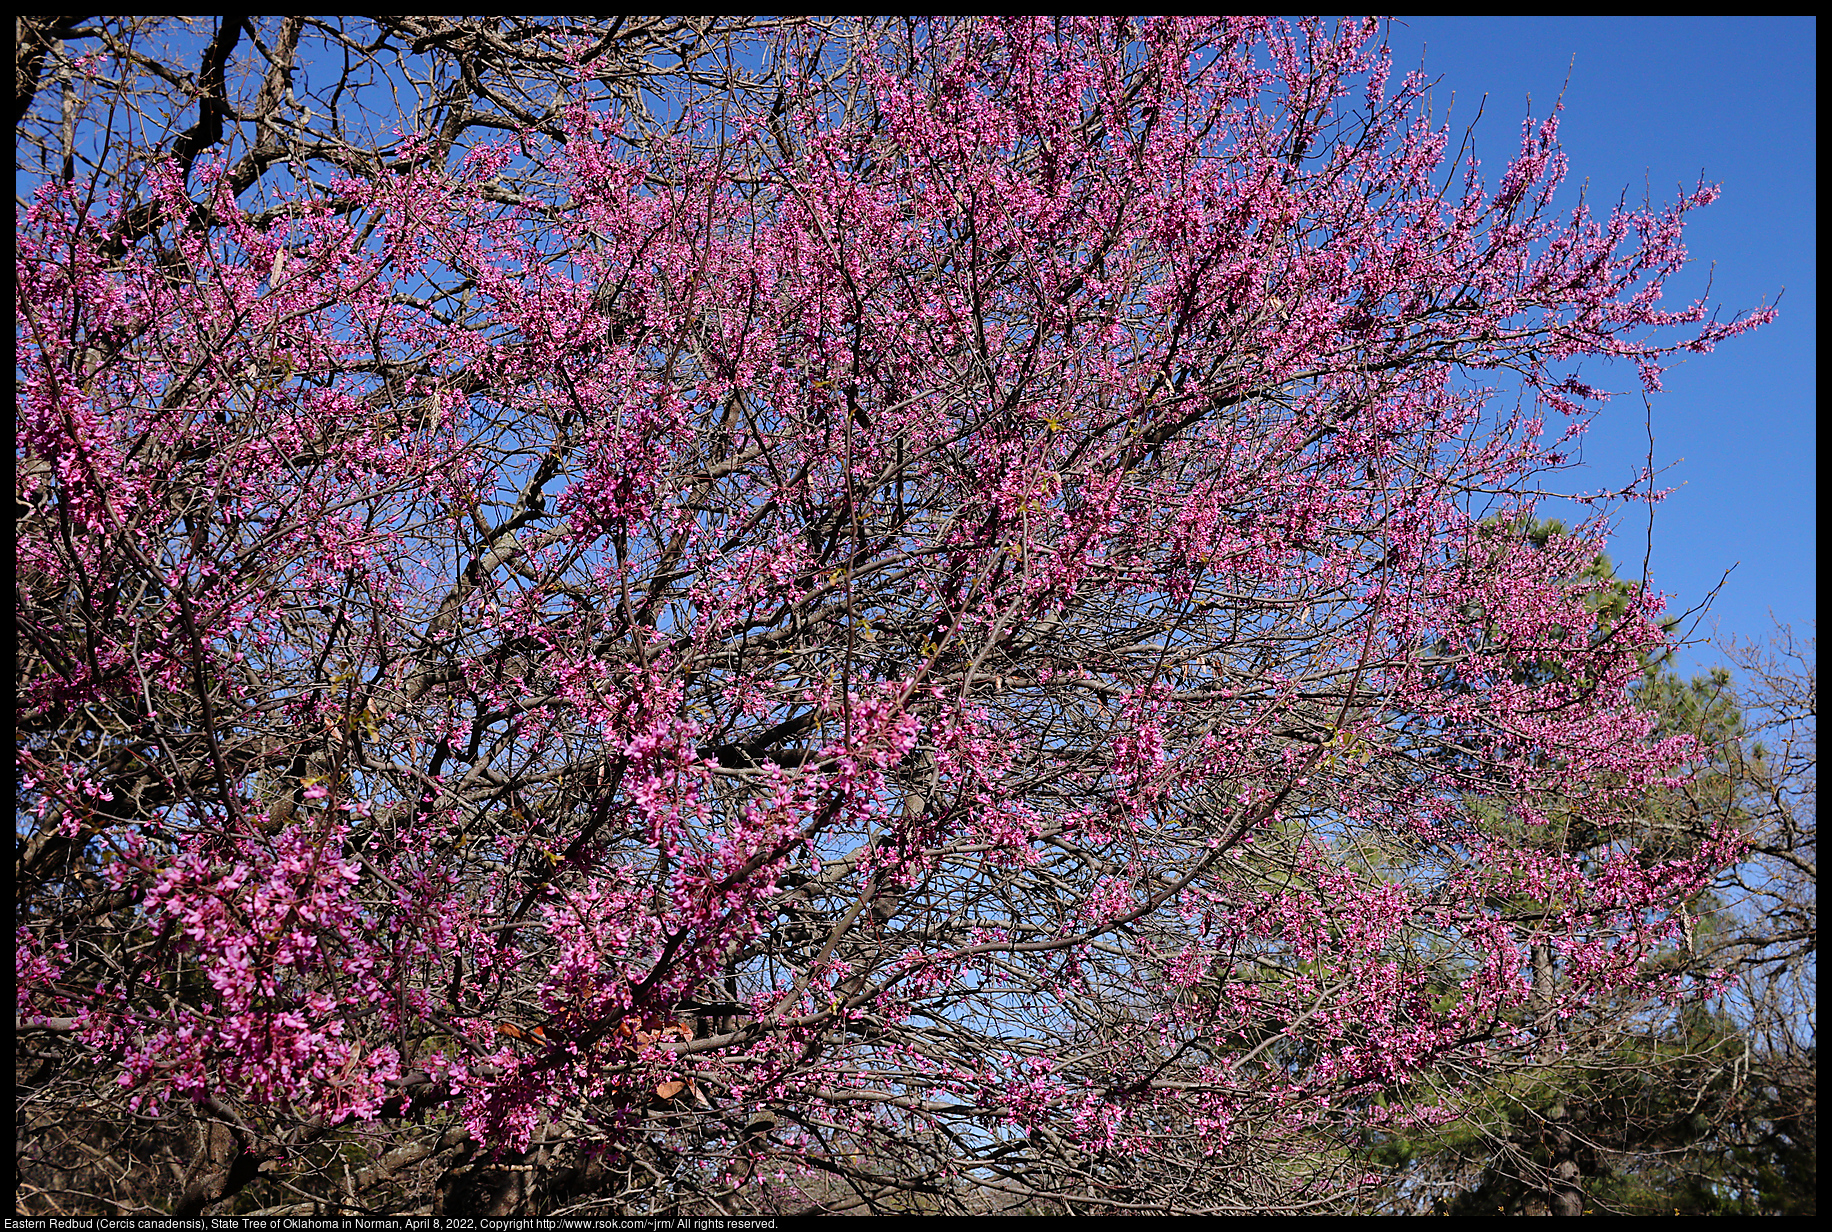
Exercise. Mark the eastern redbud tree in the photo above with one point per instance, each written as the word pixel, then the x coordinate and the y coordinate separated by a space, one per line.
pixel 946 633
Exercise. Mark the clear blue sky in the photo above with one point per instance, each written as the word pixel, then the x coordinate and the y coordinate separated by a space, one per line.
pixel 1652 103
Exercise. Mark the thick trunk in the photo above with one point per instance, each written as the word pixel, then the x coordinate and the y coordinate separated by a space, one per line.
pixel 1564 1188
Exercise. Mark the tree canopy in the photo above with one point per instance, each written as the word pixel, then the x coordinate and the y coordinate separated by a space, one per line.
pixel 788 616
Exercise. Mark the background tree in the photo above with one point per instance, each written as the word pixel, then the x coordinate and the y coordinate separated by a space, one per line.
pixel 1706 1108
pixel 855 620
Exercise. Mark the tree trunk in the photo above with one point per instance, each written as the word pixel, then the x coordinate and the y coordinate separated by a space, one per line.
pixel 1564 1191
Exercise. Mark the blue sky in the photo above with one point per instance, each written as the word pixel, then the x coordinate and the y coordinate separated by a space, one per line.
pixel 1652 103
